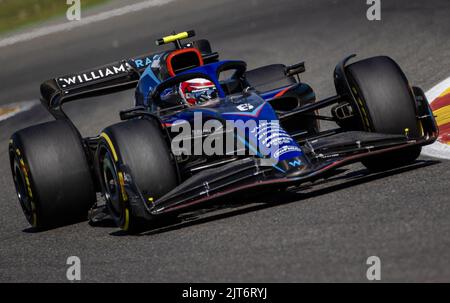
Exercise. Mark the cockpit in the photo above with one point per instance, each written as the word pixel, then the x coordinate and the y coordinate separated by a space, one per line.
pixel 189 75
pixel 201 86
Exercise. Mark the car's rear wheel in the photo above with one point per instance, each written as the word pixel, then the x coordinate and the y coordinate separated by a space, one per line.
pixel 384 103
pixel 51 174
pixel 140 146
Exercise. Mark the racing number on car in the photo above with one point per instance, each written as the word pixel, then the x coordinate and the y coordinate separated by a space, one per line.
pixel 245 107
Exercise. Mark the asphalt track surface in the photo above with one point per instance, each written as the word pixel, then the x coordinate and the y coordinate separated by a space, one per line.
pixel 325 234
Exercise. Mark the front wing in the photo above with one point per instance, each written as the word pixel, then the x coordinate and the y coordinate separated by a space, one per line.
pixel 247 174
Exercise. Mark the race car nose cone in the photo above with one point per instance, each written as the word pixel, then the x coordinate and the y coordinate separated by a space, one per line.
pixel 294 167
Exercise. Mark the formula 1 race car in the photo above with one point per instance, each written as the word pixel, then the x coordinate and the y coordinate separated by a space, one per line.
pixel 175 150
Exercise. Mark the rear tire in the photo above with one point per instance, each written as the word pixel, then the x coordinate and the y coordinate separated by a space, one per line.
pixel 385 104
pixel 51 174
pixel 141 147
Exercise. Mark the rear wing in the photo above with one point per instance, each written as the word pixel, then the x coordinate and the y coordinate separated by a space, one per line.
pixel 98 81
pixel 101 80
pixel 106 79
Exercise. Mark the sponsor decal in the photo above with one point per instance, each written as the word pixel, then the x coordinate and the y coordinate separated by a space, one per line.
pixel 245 107
pixel 295 163
pixel 156 62
pixel 271 136
pixel 286 149
pixel 141 63
pixel 264 138
pixel 101 73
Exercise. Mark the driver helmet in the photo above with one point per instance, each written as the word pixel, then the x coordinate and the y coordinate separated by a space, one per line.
pixel 197 91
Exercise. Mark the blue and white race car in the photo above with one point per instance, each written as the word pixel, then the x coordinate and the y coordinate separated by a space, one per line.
pixel 203 129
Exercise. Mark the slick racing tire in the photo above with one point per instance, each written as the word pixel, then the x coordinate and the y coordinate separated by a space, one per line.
pixel 385 104
pixel 51 174
pixel 140 146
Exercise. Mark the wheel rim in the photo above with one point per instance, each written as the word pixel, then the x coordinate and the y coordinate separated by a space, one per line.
pixel 22 190
pixel 111 184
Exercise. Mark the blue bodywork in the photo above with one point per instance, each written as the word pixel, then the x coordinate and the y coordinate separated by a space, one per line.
pixel 266 140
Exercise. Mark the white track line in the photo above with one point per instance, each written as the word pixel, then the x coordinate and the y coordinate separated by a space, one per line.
pixel 44 31
pixel 437 149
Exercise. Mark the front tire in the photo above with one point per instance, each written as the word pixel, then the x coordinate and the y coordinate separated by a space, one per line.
pixel 385 104
pixel 140 146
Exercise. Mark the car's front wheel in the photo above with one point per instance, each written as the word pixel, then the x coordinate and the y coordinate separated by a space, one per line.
pixel 140 146
pixel 384 103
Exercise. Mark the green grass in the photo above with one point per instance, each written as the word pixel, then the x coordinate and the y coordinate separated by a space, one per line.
pixel 16 14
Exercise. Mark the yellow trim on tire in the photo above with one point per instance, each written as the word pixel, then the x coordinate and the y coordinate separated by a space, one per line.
pixel 362 108
pixel 26 175
pixel 122 185
pixel 27 179
pixel 111 146
pixel 126 224
pixel 421 130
